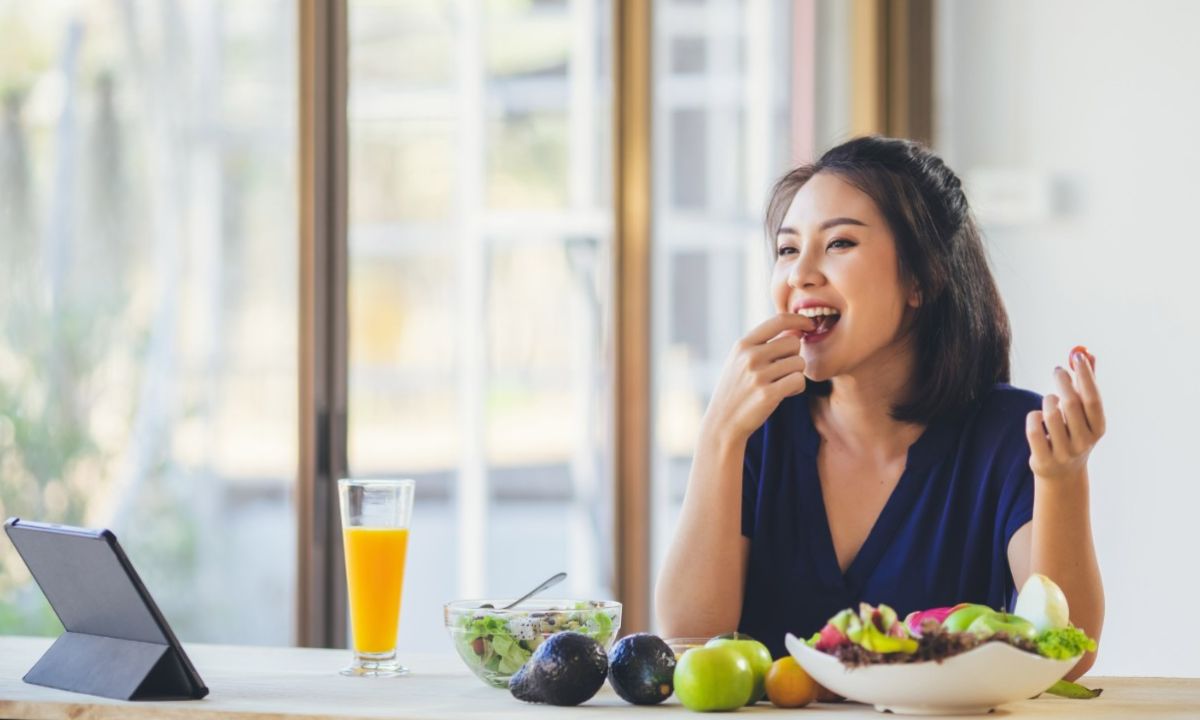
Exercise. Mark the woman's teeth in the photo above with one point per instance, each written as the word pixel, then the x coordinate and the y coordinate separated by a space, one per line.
pixel 816 311
pixel 826 317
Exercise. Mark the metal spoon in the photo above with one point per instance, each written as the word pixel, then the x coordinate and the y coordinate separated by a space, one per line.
pixel 548 583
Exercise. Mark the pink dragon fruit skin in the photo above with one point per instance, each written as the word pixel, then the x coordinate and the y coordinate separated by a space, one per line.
pixel 831 638
pixel 836 631
pixel 917 618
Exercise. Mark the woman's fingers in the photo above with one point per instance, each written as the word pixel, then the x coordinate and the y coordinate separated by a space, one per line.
pixel 1035 431
pixel 1060 439
pixel 780 347
pixel 791 384
pixel 772 327
pixel 784 367
pixel 1089 394
pixel 1072 411
pixel 1067 427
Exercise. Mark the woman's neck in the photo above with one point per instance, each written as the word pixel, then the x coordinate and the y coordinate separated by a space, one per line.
pixel 857 414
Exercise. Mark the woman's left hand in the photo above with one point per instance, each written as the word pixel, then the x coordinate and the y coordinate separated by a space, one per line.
pixel 1063 433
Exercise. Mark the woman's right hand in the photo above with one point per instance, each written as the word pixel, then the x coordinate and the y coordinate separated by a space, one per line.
pixel 762 369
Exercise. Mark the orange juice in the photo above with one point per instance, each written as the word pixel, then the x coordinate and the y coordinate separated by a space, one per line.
pixel 375 574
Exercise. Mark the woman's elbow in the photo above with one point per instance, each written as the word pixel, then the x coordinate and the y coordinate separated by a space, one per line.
pixel 1085 663
pixel 666 610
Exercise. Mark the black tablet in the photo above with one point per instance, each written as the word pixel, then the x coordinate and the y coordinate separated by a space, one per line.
pixel 117 643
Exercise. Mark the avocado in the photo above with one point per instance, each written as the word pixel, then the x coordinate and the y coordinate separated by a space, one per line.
pixel 567 669
pixel 642 669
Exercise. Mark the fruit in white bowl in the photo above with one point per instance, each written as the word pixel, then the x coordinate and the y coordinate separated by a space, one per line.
pixel 963 616
pixel 992 622
pixel 992 674
pixel 1043 603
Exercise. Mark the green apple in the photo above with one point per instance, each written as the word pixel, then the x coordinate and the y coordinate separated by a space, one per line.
pixel 959 620
pixel 713 678
pixel 1043 603
pixel 992 622
pixel 755 653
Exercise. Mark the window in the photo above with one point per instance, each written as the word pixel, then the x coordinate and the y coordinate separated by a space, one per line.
pixel 148 300
pixel 480 310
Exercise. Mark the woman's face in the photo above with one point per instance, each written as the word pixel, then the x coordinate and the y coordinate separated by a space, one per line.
pixel 834 250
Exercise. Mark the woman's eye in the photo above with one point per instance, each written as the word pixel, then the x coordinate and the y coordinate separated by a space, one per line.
pixel 841 243
pixel 785 250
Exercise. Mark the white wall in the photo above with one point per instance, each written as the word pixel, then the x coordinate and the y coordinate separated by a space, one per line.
pixel 1098 104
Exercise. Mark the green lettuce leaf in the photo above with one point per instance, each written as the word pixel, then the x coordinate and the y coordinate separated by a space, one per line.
pixel 1064 643
pixel 502 652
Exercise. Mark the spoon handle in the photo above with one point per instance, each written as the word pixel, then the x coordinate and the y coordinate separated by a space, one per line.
pixel 550 582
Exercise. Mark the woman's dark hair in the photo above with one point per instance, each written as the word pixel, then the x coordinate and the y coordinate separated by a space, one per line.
pixel 961 330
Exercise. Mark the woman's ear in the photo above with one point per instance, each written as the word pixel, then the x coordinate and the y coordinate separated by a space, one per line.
pixel 914 299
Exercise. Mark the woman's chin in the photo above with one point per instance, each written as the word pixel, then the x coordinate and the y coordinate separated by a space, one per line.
pixel 815 374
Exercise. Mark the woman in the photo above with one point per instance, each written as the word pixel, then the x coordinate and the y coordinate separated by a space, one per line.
pixel 863 444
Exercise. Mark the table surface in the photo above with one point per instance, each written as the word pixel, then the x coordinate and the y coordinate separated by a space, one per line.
pixel 261 683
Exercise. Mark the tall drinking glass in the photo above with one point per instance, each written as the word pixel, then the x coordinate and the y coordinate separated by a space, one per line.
pixel 375 520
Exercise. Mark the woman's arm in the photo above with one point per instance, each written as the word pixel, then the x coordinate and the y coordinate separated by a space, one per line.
pixel 699 589
pixel 1058 542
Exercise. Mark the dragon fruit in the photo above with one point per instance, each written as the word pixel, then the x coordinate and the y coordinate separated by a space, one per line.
pixel 877 629
pixel 882 632
pixel 836 632
pixel 917 618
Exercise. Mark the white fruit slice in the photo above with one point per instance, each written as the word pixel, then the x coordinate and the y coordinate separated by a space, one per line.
pixel 1043 603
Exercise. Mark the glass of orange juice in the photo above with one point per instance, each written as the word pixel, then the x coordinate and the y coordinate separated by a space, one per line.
pixel 375 521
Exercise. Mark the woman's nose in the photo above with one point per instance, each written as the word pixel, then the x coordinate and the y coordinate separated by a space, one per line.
pixel 806 271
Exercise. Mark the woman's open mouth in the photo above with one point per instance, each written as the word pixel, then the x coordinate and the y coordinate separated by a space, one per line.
pixel 826 319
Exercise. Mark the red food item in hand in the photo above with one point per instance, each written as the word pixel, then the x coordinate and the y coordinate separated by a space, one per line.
pixel 1081 349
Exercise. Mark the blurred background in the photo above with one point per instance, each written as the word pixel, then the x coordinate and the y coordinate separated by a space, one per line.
pixel 149 269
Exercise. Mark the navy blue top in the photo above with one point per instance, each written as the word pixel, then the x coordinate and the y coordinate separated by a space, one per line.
pixel 942 537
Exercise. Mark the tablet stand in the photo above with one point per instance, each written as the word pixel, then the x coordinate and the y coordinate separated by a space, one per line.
pixel 112 668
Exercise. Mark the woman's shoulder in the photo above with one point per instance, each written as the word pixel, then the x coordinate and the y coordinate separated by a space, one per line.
pixel 1000 414
pixel 1004 400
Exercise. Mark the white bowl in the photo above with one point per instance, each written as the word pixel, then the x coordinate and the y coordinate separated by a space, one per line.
pixel 969 683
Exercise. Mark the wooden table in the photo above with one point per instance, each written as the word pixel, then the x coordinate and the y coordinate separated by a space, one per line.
pixel 257 683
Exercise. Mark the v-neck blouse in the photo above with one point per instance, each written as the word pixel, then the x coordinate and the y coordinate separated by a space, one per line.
pixel 941 538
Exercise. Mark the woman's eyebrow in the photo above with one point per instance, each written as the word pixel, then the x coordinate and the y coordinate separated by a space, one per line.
pixel 833 222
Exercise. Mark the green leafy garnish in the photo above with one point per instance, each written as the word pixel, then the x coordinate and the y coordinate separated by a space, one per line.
pixel 1064 643
pixel 501 651
pixel 598 624
pixel 1075 691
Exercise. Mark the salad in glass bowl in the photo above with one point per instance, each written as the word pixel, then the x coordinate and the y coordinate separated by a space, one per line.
pixel 495 643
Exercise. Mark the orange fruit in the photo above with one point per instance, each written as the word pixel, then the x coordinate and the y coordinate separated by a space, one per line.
pixel 788 686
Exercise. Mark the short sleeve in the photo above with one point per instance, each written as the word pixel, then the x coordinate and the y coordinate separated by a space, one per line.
pixel 1006 410
pixel 1019 500
pixel 1016 498
pixel 751 474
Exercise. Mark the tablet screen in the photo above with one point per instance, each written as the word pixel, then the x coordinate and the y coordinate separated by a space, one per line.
pixel 82 576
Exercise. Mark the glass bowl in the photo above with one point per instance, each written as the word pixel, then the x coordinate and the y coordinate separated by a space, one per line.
pixel 680 645
pixel 496 643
